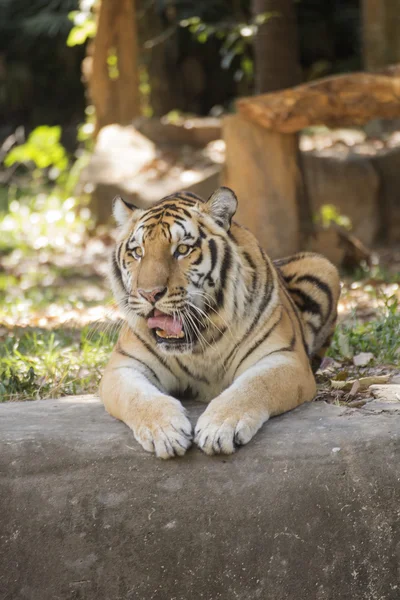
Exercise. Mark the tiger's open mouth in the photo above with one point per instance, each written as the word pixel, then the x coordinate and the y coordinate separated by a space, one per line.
pixel 166 328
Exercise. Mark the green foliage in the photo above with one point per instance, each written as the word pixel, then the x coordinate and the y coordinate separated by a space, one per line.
pixel 12 383
pixel 38 363
pixel 35 212
pixel 329 214
pixel 41 214
pixel 31 20
pixel 46 220
pixel 112 63
pixel 43 149
pixel 80 33
pixel 237 39
pixel 380 336
pixel 84 23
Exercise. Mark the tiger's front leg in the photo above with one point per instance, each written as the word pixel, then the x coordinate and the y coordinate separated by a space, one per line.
pixel 158 421
pixel 274 385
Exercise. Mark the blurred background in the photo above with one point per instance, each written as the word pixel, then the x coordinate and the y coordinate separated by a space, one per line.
pixel 140 98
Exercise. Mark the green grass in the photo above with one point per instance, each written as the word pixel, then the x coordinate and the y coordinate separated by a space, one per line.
pixel 38 363
pixel 45 279
pixel 380 336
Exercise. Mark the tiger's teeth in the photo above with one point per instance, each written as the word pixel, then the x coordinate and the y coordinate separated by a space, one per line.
pixel 161 333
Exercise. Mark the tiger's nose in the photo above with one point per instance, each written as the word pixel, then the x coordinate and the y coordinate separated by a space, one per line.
pixel 152 295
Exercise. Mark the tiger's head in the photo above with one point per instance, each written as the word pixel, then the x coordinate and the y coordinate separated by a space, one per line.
pixel 171 264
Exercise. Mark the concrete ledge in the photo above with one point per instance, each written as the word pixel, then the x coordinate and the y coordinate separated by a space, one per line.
pixel 308 510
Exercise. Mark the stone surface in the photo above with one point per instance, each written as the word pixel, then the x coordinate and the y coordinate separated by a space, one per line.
pixel 127 163
pixel 387 165
pixel 386 393
pixel 308 510
pixel 350 183
pixel 193 131
pixel 339 246
pixel 119 156
pixel 327 242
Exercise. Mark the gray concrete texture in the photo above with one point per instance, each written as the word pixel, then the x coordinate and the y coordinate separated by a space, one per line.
pixel 308 510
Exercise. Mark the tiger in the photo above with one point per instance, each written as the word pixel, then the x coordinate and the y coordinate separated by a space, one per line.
pixel 210 317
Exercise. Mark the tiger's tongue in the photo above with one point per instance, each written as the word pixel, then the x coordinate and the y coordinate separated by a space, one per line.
pixel 165 322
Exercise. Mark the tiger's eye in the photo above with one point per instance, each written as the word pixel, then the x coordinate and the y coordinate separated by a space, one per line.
pixel 138 252
pixel 183 249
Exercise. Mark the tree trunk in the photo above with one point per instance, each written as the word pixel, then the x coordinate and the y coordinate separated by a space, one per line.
pixel 262 169
pixel 114 82
pixel 381 39
pixel 276 49
pixel 158 32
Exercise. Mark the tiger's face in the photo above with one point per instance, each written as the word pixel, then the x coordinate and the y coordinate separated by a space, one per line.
pixel 169 263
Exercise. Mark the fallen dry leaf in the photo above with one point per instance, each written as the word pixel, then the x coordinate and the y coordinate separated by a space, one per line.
pixel 342 376
pixel 364 382
pixel 355 387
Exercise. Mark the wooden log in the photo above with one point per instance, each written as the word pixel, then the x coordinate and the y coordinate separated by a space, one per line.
pixel 345 100
pixel 262 169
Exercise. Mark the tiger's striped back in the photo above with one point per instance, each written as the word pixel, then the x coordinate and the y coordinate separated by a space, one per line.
pixel 314 285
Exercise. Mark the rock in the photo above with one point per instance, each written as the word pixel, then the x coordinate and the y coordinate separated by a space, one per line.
pixel 193 131
pixel 308 509
pixel 350 183
pixel 120 154
pixel 117 160
pixel 387 165
pixel 126 163
pixel 207 184
pixel 339 246
pixel 362 359
pixel 386 393
pixel 378 407
pixel 327 243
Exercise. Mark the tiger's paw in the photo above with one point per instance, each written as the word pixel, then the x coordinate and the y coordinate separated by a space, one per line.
pixel 165 436
pixel 222 434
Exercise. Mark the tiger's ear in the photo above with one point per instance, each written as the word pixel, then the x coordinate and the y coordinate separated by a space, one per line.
pixel 122 210
pixel 221 206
